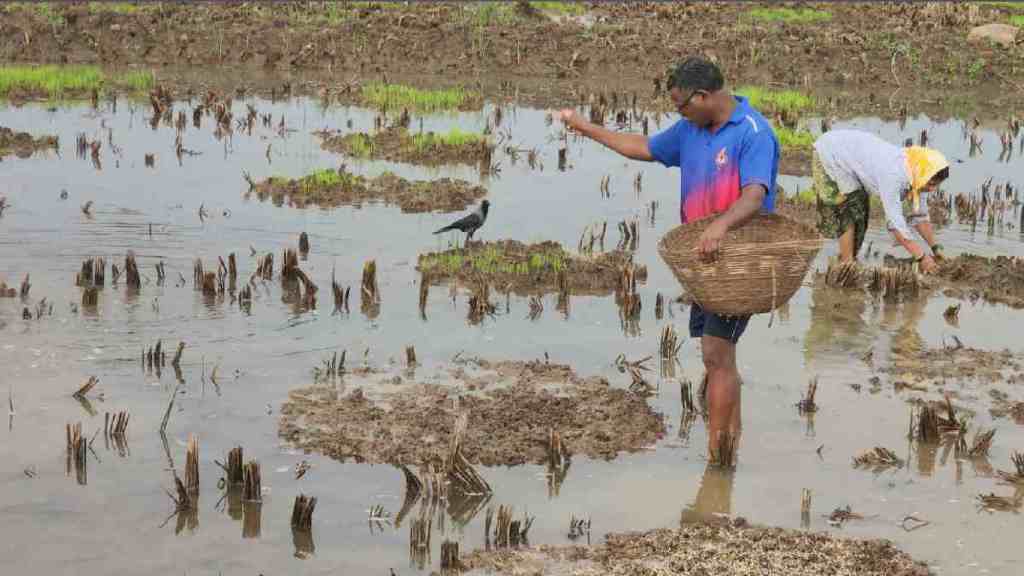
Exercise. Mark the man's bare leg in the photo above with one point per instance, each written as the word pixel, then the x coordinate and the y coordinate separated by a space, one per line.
pixel 723 392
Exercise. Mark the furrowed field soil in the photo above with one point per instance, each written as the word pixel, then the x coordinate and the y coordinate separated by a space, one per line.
pixel 875 57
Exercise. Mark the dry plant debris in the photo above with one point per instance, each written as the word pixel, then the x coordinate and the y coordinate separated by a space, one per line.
pixel 511 408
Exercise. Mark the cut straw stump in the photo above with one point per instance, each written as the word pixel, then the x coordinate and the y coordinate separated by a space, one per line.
pixel 192 469
pixel 340 295
pixel 450 555
pixel 235 468
pixel 670 343
pixel 806 404
pixel 1015 478
pixel 85 388
pixel 371 295
pixel 509 533
pixel 878 458
pixel 92 273
pixel 131 271
pixel 251 489
pixel 302 512
pixel 461 474
pixel 76 453
pixel 805 508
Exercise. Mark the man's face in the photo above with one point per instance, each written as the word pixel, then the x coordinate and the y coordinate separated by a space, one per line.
pixel 690 104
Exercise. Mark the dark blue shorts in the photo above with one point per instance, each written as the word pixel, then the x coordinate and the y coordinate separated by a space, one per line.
pixel 709 324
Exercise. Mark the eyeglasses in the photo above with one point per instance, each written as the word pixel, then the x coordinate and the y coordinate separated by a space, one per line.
pixel 686 102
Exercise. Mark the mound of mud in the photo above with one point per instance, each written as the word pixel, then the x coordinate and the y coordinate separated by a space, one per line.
pixel 22 144
pixel 512 407
pixel 998 280
pixel 326 189
pixel 538 268
pixel 706 548
pixel 954 363
pixel 397 144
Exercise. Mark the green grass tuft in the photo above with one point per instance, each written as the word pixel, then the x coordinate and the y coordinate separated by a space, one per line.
pixel 492 260
pixel 789 101
pixel 397 96
pixel 790 15
pixel 54 81
pixel 790 139
pixel 115 8
pixel 326 178
pixel 135 80
pixel 454 139
pixel 572 8
pixel 1017 19
pixel 58 82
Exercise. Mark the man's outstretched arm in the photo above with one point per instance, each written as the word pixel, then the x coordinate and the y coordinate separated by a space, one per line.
pixel 632 146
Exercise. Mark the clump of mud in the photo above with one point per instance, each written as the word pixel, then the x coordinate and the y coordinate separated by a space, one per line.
pixel 537 268
pixel 327 189
pixel 707 548
pixel 397 144
pixel 998 280
pixel 1003 407
pixel 512 408
pixel 22 144
pixel 953 362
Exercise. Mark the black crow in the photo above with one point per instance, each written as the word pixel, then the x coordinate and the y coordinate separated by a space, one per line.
pixel 469 224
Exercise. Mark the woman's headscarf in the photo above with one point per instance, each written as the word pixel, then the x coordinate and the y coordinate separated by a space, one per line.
pixel 924 163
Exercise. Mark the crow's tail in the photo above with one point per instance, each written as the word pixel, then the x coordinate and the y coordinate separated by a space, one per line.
pixel 445 229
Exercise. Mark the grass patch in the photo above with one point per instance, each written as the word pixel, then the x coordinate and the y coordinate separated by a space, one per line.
pixel 1015 6
pixel 571 8
pixel 135 80
pixel 397 96
pixel 790 139
pixel 115 8
pixel 57 82
pixel 493 260
pixel 786 101
pixel 54 81
pixel 45 10
pixel 360 145
pixel 491 13
pixel 453 139
pixel 790 15
pixel 1017 19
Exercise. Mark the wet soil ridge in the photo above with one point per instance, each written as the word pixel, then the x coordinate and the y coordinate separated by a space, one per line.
pixel 512 408
pixel 544 267
pixel 22 144
pixel 549 56
pixel 998 280
pixel 398 144
pixel 328 188
pixel 912 362
pixel 718 548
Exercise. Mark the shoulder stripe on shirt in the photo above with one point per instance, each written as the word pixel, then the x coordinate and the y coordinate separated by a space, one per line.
pixel 753 123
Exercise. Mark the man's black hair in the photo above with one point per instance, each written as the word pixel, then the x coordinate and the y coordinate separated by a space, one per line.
pixel 696 73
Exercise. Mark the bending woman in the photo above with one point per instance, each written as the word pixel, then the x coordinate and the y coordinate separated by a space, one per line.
pixel 849 165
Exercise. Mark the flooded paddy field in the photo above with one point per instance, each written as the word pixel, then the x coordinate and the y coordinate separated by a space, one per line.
pixel 173 192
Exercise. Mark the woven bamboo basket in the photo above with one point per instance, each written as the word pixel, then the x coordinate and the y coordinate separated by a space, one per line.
pixel 759 265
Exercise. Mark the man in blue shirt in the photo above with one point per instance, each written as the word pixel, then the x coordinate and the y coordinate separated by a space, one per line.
pixel 728 157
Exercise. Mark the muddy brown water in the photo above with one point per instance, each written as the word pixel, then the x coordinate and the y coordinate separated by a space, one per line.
pixel 113 524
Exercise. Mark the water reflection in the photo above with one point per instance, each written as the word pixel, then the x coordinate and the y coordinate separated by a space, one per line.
pixel 838 330
pixel 714 496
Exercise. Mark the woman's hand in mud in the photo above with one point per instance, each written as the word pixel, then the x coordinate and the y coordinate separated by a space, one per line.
pixel 928 265
pixel 570 118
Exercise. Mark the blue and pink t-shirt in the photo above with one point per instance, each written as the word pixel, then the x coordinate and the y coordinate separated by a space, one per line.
pixel 715 167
